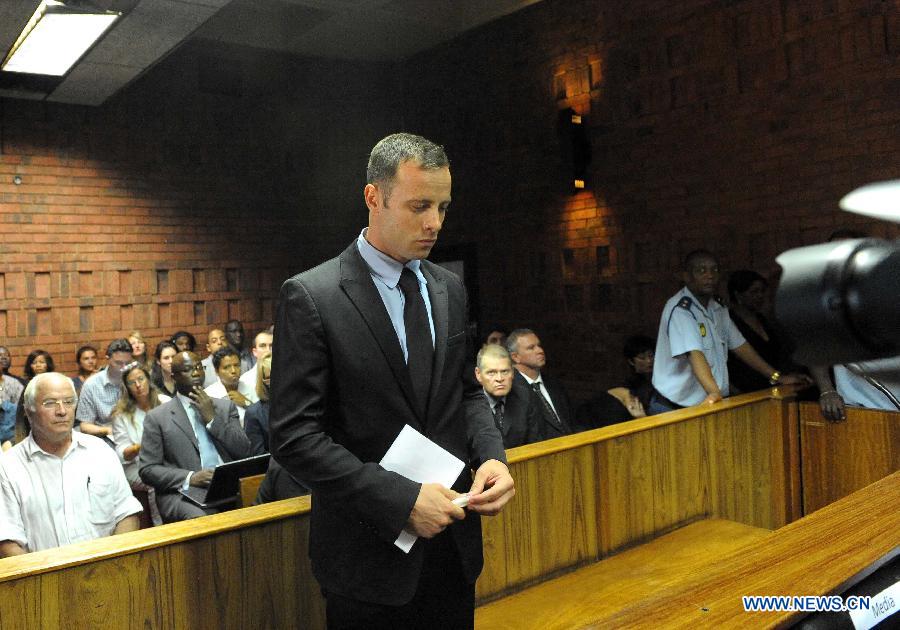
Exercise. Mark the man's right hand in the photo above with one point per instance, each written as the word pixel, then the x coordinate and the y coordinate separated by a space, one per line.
pixel 832 406
pixel 201 478
pixel 433 511
pixel 712 398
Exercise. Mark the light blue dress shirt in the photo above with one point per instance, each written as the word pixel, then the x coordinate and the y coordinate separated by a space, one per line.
pixel 385 271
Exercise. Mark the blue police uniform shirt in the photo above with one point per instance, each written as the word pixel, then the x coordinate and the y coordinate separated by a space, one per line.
pixel 858 392
pixel 687 325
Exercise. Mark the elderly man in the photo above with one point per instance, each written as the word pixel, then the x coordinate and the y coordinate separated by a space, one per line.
pixel 186 438
pixel 262 345
pixel 527 354
pixel 517 413
pixel 214 341
pixel 58 486
pixel 101 392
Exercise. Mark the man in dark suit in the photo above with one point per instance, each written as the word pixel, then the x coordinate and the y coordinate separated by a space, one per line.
pixel 186 438
pixel 528 358
pixel 368 342
pixel 517 413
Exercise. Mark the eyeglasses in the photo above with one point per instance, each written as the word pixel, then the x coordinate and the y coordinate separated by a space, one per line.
pixel 52 403
pixel 138 380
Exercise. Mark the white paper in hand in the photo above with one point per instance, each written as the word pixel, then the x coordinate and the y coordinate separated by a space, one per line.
pixel 419 459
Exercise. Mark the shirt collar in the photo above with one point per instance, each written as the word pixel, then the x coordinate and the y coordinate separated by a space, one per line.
pixel 711 306
pixel 529 380
pixel 493 400
pixel 383 266
pixel 31 447
pixel 184 400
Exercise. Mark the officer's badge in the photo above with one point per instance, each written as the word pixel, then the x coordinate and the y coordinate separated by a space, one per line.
pixel 702 329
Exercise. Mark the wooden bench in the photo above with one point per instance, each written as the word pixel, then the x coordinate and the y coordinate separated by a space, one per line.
pixel 613 584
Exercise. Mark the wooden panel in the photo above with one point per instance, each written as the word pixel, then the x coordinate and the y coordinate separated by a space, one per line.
pixel 20 609
pixel 819 554
pixel 550 525
pixel 617 582
pixel 841 457
pixel 249 488
pixel 206 582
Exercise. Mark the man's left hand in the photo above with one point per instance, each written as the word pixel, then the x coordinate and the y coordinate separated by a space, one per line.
pixel 491 489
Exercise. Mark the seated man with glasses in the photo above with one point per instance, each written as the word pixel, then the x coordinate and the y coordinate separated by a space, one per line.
pixel 186 438
pixel 101 392
pixel 58 486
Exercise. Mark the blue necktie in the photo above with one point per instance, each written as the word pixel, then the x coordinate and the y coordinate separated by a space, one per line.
pixel 209 456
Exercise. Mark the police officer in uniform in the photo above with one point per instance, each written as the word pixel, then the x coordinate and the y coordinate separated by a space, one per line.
pixel 695 335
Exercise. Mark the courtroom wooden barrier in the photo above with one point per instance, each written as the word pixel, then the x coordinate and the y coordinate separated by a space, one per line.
pixel 582 497
pixel 842 457
pixel 249 489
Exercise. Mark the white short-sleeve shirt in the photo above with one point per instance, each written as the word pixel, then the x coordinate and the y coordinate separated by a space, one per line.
pixel 48 501
pixel 687 325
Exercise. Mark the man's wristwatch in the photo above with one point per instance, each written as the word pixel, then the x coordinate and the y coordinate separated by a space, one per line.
pixel 776 376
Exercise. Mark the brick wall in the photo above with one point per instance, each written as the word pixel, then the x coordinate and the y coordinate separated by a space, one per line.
pixel 183 202
pixel 735 126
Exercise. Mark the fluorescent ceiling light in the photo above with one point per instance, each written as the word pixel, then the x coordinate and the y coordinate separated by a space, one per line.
pixel 56 37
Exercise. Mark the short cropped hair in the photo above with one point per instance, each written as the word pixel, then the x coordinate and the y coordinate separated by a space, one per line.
pixel 491 351
pixel 390 152
pixel 118 345
pixel 220 354
pixel 636 344
pixel 28 398
pixel 512 342
pixel 192 341
pixel 696 255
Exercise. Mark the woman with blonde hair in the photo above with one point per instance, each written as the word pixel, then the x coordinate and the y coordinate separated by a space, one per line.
pixel 139 348
pixel 256 418
pixel 139 396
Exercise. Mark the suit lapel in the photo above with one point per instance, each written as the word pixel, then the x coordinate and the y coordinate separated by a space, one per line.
pixel 180 419
pixel 440 309
pixel 357 283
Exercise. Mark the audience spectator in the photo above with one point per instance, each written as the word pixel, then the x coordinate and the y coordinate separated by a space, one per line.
pixel 262 345
pixel 495 335
pixel 234 334
pixel 139 396
pixel 695 335
pixel 610 407
pixel 5 362
pixel 86 360
pixel 517 412
pixel 256 419
pixel 228 368
pixel 529 359
pixel 186 438
pixel 639 351
pixel 161 374
pixel 79 469
pixel 184 341
pixel 748 294
pixel 278 484
pixel 214 340
pixel 100 393
pixel 10 389
pixel 37 362
pixel 139 349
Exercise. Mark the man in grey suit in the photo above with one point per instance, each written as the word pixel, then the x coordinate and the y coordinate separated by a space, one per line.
pixel 368 342
pixel 186 438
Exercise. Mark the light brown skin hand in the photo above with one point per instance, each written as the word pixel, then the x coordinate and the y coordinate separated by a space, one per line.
pixel 238 398
pixel 201 478
pixel 491 489
pixel 131 452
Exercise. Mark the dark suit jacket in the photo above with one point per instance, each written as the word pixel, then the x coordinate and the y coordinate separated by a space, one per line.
pixel 522 416
pixel 341 393
pixel 256 426
pixel 560 398
pixel 169 448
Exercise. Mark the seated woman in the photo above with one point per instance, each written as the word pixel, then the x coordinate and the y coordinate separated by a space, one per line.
pixel 184 341
pixel 86 360
pixel 256 418
pixel 615 405
pixel 139 396
pixel 749 295
pixel 162 368
pixel 139 349
pixel 639 351
pixel 37 362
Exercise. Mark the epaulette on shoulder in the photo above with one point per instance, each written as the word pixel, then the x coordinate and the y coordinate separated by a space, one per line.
pixel 685 303
pixel 718 298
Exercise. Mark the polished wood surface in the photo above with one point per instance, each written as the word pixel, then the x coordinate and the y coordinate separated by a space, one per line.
pixel 580 498
pixel 821 553
pixel 842 457
pixel 601 589
pixel 249 488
